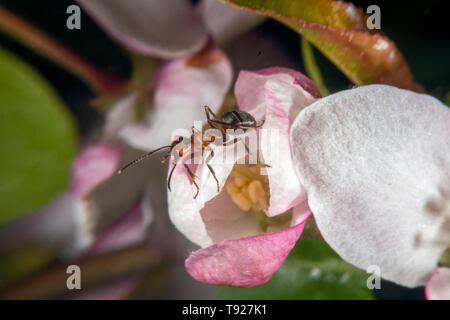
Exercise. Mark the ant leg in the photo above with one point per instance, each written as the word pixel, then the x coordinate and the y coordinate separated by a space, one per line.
pixel 234 142
pixel 195 130
pixel 211 155
pixel 193 176
pixel 214 175
pixel 170 177
pixel 209 112
pixel 261 124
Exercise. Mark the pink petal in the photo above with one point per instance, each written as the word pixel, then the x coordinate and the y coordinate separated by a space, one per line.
pixel 94 165
pixel 249 85
pixel 60 225
pixel 127 230
pixel 300 213
pixel 120 114
pixel 245 262
pixel 283 101
pixel 438 287
pixel 277 95
pixel 181 90
pixel 163 29
pixel 225 22
pixel 111 199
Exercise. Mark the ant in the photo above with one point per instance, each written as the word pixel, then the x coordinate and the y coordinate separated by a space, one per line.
pixel 235 119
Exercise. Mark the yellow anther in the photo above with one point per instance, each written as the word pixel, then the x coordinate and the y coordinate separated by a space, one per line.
pixel 257 194
pixel 241 181
pixel 256 191
pixel 232 188
pixel 242 202
pixel 244 191
pixel 247 188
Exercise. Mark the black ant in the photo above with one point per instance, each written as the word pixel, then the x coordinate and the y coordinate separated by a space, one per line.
pixel 236 119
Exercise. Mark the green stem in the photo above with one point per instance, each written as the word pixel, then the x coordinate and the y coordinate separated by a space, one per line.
pixel 311 67
pixel 22 31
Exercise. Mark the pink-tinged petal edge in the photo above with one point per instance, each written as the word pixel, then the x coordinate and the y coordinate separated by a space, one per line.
pixel 283 102
pixel 438 287
pixel 94 165
pixel 163 29
pixel 244 262
pixel 249 84
pixel 127 230
pixel 277 94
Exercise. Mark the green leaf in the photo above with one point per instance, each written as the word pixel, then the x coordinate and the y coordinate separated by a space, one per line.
pixel 338 30
pixel 312 271
pixel 37 139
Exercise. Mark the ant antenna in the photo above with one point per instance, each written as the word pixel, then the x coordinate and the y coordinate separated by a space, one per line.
pixel 141 158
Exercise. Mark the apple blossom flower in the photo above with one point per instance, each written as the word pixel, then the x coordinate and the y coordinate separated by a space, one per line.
pixel 367 162
pixel 247 227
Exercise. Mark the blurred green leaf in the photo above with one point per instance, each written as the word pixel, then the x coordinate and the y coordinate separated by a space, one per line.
pixel 37 139
pixel 312 271
pixel 23 262
pixel 338 30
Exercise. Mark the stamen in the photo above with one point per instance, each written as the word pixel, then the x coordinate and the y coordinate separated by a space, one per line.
pixel 247 188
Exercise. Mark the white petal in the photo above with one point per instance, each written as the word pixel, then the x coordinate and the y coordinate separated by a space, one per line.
pixel 370 159
pixel 225 22
pixel 181 91
pixel 164 29
pixel 184 211
pixel 277 95
pixel 60 224
pixel 120 114
pixel 212 216
pixel 283 101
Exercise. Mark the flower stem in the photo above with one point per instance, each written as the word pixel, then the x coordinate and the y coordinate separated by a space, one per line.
pixel 42 44
pixel 311 67
pixel 51 283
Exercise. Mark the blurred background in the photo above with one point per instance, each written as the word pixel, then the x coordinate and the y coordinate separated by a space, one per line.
pixel 37 246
